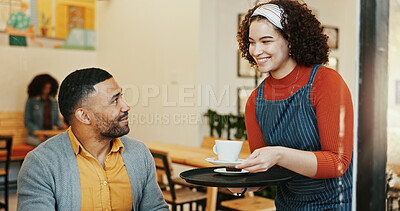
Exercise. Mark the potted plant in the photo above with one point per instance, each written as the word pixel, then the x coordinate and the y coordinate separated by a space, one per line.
pixel 45 22
pixel 221 123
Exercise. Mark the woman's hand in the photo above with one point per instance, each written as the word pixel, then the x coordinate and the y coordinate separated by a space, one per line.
pixel 261 159
pixel 299 161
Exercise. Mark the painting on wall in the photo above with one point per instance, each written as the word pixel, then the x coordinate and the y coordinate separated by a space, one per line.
pixel 243 95
pixel 48 23
pixel 333 63
pixel 244 69
pixel 240 18
pixel 333 36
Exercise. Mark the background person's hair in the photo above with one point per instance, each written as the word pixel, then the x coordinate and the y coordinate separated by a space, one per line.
pixel 77 86
pixel 35 88
pixel 307 44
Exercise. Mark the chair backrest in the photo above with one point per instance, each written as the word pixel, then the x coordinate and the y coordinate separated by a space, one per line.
pixel 163 163
pixel 12 123
pixel 209 141
pixel 5 151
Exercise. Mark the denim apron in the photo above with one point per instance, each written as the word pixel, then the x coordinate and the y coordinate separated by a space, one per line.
pixel 292 123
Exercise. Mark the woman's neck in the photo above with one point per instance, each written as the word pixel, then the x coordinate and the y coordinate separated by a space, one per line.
pixel 285 69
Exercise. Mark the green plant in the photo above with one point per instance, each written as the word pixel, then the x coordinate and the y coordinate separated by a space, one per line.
pixel 45 20
pixel 216 122
pixel 238 123
pixel 219 123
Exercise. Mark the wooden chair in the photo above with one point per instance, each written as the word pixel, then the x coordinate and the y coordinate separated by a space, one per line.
pixel 12 124
pixel 5 150
pixel 250 202
pixel 176 196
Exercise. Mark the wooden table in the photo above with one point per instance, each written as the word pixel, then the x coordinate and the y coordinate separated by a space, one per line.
pixel 192 156
pixel 47 133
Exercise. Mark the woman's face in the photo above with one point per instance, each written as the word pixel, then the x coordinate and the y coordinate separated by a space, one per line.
pixel 46 89
pixel 269 49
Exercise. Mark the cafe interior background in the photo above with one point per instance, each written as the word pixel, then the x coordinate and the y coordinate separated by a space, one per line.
pixel 176 59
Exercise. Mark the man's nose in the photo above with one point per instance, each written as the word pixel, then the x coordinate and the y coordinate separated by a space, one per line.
pixel 125 107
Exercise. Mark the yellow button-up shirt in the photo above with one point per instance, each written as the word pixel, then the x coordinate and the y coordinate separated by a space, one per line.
pixel 103 189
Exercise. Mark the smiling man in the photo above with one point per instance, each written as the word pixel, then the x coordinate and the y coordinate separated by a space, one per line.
pixel 93 165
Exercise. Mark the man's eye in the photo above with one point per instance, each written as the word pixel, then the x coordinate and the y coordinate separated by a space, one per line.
pixel 115 100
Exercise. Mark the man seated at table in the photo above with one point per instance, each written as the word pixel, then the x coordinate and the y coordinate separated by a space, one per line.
pixel 93 165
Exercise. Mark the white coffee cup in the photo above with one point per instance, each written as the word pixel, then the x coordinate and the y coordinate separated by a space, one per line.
pixel 227 150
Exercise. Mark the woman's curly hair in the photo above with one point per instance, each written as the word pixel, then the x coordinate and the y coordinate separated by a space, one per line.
pixel 37 84
pixel 307 43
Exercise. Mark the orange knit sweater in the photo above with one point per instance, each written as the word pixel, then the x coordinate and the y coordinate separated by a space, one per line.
pixel 332 101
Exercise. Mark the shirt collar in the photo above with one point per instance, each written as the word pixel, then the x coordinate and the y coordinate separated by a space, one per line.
pixel 117 145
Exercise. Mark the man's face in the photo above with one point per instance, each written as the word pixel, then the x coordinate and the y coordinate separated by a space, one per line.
pixel 108 110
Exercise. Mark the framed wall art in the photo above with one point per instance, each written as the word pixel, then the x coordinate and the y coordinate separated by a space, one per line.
pixel 243 95
pixel 333 63
pixel 54 23
pixel 240 18
pixel 244 68
pixel 333 36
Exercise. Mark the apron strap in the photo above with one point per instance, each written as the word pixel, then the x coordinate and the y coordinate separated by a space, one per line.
pixel 313 73
pixel 260 91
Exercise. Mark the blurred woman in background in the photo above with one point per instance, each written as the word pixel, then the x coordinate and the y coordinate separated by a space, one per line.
pixel 41 109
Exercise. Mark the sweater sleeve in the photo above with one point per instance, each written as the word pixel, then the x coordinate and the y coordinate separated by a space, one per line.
pixel 35 184
pixel 334 109
pixel 254 134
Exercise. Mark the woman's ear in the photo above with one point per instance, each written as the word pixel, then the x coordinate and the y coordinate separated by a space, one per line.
pixel 81 115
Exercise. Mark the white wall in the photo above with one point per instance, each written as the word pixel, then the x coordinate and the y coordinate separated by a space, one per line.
pixel 152 49
pixel 218 53
pixel 346 21
pixel 18 66
pixel 394 76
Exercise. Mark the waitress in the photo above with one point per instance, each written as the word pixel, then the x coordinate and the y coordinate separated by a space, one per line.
pixel 301 116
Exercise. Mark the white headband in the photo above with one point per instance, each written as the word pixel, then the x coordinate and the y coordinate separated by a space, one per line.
pixel 272 12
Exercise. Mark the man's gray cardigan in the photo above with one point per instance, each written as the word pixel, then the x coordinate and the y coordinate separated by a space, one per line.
pixel 49 177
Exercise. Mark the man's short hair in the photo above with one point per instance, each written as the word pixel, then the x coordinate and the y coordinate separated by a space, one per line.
pixel 76 87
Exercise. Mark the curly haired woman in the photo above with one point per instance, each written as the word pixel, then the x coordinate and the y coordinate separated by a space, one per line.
pixel 41 108
pixel 301 116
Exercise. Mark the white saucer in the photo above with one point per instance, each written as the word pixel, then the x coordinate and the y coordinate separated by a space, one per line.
pixel 224 163
pixel 230 173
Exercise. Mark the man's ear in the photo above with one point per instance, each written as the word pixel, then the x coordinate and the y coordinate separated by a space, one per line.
pixel 81 115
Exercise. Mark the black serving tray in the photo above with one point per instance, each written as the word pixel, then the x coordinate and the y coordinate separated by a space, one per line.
pixel 207 177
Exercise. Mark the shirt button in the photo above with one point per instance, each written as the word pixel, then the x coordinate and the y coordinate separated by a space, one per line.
pixel 105 183
pixel 106 159
pixel 107 209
